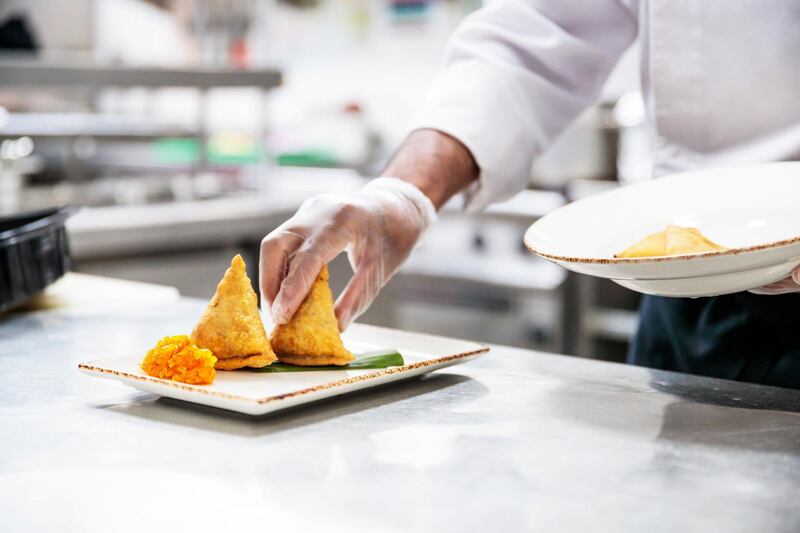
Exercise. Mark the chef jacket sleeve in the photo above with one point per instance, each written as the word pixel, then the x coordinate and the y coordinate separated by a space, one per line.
pixel 515 74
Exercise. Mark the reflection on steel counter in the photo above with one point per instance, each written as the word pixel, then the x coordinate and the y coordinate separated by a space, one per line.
pixel 541 442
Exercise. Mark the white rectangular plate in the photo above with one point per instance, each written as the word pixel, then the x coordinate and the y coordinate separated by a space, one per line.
pixel 256 393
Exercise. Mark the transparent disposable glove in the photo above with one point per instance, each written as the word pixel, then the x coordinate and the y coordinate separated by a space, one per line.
pixel 378 226
pixel 784 286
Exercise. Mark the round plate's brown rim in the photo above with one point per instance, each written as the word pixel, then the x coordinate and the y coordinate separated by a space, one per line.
pixel 663 258
pixel 89 367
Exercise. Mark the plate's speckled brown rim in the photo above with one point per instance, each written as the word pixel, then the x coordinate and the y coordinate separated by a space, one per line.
pixel 89 367
pixel 659 259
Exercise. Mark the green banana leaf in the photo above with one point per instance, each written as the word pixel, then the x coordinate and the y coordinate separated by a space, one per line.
pixel 365 361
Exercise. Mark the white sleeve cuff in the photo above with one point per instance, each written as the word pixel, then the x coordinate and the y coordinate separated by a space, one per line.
pixel 468 102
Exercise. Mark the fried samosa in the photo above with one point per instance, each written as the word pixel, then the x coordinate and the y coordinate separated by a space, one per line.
pixel 311 337
pixel 231 325
pixel 651 246
pixel 679 241
pixel 674 240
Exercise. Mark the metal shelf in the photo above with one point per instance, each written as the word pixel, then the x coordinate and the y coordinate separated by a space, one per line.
pixel 58 125
pixel 22 71
pixel 26 73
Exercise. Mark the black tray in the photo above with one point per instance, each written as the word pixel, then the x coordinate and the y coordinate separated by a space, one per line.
pixel 33 253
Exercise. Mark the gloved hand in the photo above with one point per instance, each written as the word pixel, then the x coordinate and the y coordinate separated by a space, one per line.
pixel 784 286
pixel 379 225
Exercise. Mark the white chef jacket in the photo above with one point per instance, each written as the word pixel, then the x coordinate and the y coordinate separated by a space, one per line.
pixel 720 79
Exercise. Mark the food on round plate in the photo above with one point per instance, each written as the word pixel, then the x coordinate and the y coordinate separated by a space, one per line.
pixel 178 359
pixel 231 325
pixel 312 337
pixel 674 240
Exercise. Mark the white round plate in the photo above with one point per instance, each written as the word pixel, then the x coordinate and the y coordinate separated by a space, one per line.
pixel 753 210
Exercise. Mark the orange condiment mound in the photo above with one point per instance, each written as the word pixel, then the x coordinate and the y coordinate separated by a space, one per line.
pixel 178 359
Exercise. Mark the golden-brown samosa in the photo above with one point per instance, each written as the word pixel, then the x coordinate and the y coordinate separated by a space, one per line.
pixel 674 240
pixel 231 325
pixel 311 337
pixel 651 246
pixel 679 241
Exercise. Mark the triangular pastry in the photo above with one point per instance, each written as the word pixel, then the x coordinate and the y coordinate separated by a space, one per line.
pixel 674 240
pixel 231 325
pixel 679 241
pixel 652 245
pixel 311 337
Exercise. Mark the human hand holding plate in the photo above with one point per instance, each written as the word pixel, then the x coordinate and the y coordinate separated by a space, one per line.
pixel 787 285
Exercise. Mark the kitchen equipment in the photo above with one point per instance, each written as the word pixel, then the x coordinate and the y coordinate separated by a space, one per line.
pixel 259 393
pixel 33 253
pixel 750 209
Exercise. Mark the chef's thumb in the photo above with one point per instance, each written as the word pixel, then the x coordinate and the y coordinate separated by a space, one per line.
pixel 304 267
pixel 273 265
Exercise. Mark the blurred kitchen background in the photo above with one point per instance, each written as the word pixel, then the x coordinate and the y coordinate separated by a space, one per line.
pixel 187 129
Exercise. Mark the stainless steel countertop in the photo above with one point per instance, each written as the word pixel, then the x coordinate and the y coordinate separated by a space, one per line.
pixel 516 441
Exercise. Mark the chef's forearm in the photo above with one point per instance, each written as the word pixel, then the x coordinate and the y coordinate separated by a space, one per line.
pixel 438 164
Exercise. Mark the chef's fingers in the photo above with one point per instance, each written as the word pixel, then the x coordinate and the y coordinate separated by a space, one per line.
pixel 359 293
pixel 304 267
pixel 796 276
pixel 784 286
pixel 276 248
